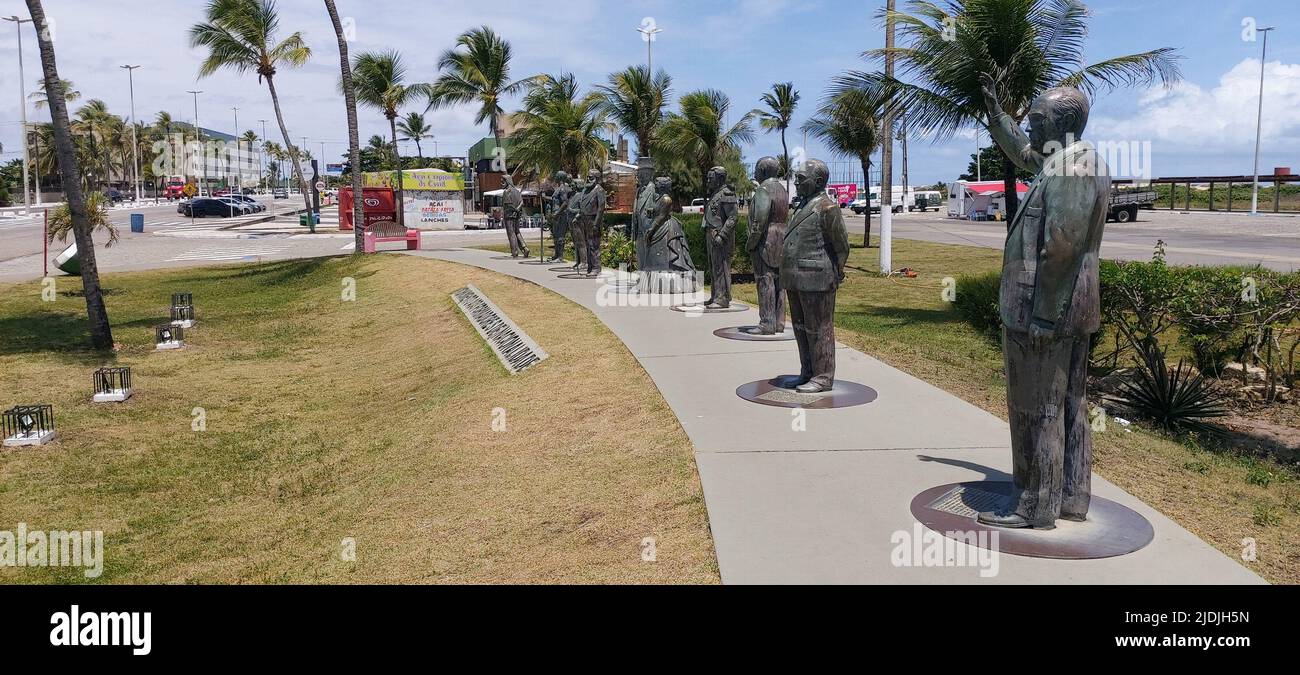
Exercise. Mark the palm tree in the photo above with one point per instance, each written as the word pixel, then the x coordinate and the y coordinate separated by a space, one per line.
pixel 101 334
pixel 414 128
pixel 635 101
pixel 781 103
pixel 560 131
pixel 477 70
pixel 354 134
pixel 696 135
pixel 848 123
pixel 379 80
pixel 1028 46
pixel 38 97
pixel 240 36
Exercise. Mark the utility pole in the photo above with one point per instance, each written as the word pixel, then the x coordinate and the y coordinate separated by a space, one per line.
pixel 22 105
pixel 887 158
pixel 239 175
pixel 902 136
pixel 198 130
pixel 135 140
pixel 648 31
pixel 261 157
pixel 1259 122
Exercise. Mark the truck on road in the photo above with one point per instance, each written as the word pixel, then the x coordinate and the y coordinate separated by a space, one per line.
pixel 1124 205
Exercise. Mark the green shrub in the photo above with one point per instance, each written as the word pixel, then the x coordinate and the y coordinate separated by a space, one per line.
pixel 1266 516
pixel 977 302
pixel 618 250
pixel 1177 399
pixel 1258 475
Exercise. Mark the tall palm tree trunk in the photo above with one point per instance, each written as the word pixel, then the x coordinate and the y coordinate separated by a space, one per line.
pixel 785 151
pixel 354 135
pixel 293 152
pixel 1009 187
pixel 397 158
pixel 866 181
pixel 101 335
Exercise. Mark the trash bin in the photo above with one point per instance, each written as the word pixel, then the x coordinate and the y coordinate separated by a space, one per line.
pixel 137 222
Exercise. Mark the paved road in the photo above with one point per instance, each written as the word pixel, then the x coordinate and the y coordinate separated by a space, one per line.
pixel 1190 238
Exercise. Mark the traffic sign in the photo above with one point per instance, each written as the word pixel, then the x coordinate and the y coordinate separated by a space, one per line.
pixel 320 187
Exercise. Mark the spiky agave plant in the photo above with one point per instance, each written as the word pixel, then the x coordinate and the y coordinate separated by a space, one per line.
pixel 1176 399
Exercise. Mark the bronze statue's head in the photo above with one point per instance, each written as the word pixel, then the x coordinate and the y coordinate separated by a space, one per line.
pixel 717 178
pixel 561 177
pixel 594 176
pixel 812 178
pixel 645 171
pixel 663 185
pixel 1058 114
pixel 510 182
pixel 767 167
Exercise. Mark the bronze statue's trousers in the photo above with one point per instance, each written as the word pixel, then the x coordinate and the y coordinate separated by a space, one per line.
pixel 560 229
pixel 813 316
pixel 1051 442
pixel 771 301
pixel 720 268
pixel 592 230
pixel 517 245
pixel 579 237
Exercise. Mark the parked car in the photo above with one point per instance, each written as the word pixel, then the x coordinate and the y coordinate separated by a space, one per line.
pixel 114 196
pixel 859 205
pixel 245 199
pixel 280 193
pixel 175 190
pixel 697 206
pixel 201 207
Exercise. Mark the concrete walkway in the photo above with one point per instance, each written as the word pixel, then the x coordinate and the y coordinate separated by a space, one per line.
pixel 829 504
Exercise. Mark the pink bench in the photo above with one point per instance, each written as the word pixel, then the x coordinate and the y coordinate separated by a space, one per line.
pixel 371 238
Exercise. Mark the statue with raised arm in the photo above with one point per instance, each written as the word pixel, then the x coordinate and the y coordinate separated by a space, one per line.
pixel 591 212
pixel 769 208
pixel 512 209
pixel 560 213
pixel 668 264
pixel 720 236
pixel 1050 305
pixel 816 248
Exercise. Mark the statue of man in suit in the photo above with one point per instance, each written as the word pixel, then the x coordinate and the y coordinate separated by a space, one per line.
pixel 591 211
pixel 1050 305
pixel 643 211
pixel 720 235
pixel 816 249
pixel 560 213
pixel 512 209
pixel 576 233
pixel 769 209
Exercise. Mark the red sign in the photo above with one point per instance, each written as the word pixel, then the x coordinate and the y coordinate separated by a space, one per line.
pixel 844 193
pixel 379 200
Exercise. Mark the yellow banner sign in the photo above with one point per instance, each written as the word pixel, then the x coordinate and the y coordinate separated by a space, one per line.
pixel 423 179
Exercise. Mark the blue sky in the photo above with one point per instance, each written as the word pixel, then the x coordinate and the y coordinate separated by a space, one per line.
pixel 1203 126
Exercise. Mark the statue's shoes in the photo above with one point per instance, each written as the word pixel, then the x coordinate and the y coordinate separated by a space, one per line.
pixel 754 330
pixel 717 305
pixel 811 387
pixel 1009 520
pixel 1074 517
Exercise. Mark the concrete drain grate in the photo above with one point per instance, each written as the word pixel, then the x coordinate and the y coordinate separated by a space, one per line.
pixel 512 345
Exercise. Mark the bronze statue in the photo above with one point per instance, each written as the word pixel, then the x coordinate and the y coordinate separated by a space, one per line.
pixel 643 211
pixel 720 234
pixel 512 209
pixel 769 209
pixel 1050 305
pixel 560 213
pixel 668 267
pixel 815 251
pixel 591 213
pixel 576 231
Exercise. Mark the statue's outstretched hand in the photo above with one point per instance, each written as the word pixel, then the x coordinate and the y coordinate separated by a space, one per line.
pixel 990 87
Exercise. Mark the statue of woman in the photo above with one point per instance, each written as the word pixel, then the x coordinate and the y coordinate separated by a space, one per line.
pixel 668 264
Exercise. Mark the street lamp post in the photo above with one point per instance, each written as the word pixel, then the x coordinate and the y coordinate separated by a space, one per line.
pixel 648 34
pixel 203 155
pixel 135 141
pixel 22 105
pixel 239 175
pixel 261 158
pixel 1259 120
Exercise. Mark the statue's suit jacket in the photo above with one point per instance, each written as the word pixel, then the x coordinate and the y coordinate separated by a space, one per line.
pixel 592 206
pixel 512 202
pixel 816 247
pixel 643 213
pixel 1050 263
pixel 720 212
pixel 769 210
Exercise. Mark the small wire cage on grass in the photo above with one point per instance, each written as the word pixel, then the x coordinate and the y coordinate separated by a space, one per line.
pixel 28 425
pixel 183 309
pixel 169 336
pixel 112 384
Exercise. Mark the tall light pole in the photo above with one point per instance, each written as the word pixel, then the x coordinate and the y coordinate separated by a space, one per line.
pixel 239 175
pixel 261 158
pixel 22 105
pixel 887 159
pixel 648 31
pixel 203 155
pixel 1259 122
pixel 135 141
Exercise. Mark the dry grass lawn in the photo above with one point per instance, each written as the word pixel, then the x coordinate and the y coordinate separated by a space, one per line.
pixel 328 420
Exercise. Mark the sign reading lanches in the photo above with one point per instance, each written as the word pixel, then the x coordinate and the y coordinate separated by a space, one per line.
pixel 512 345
